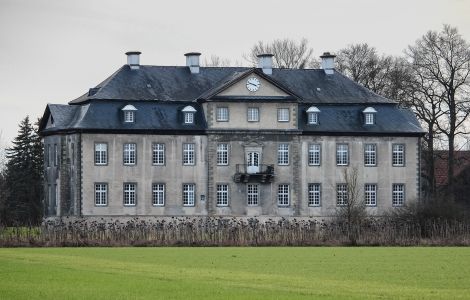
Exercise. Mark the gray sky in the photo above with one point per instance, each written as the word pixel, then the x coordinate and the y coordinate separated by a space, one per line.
pixel 52 51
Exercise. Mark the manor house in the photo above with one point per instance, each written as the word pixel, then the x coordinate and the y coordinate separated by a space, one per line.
pixel 227 141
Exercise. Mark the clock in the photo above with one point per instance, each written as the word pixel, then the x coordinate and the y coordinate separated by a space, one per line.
pixel 253 84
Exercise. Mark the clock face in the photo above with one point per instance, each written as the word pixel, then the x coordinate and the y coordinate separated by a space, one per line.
pixel 253 84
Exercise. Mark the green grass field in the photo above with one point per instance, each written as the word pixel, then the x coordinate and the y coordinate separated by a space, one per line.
pixel 234 273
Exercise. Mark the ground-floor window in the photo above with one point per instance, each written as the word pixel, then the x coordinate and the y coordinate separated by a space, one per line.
pixel 130 194
pixel 283 195
pixel 188 194
pixel 314 190
pixel 101 194
pixel 158 194
pixel 252 194
pixel 222 195
pixel 370 194
pixel 341 194
pixel 398 194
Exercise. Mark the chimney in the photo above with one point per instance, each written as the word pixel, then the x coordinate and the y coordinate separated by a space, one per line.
pixel 192 61
pixel 133 58
pixel 328 63
pixel 265 62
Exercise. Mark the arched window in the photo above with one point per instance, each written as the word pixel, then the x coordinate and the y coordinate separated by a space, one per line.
pixel 189 112
pixel 369 115
pixel 312 113
pixel 129 113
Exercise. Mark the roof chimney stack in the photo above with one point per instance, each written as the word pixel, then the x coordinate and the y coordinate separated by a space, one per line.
pixel 265 62
pixel 328 63
pixel 192 61
pixel 133 59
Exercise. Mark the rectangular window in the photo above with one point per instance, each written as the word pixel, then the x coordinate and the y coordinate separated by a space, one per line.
pixel 283 195
pixel 130 194
pixel 313 118
pixel 101 154
pixel 398 155
pixel 72 149
pixel 128 116
pixel 47 155
pixel 342 154
pixel 56 155
pixel 188 118
pixel 341 194
pixel 314 194
pixel 222 195
pixel 158 194
pixel 222 154
pixel 283 115
pixel 101 194
pixel 188 194
pixel 398 194
pixel 370 155
pixel 188 154
pixel 252 194
pixel 222 114
pixel 370 194
pixel 283 154
pixel 158 154
pixel 253 114
pixel 129 154
pixel 369 119
pixel 314 152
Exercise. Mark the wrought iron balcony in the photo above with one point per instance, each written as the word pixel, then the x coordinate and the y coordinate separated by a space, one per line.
pixel 249 173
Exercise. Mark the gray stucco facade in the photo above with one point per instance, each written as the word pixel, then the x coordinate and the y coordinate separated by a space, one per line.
pixel 240 152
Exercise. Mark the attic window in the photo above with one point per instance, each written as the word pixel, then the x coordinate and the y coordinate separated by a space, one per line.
pixel 189 112
pixel 369 115
pixel 129 113
pixel 312 113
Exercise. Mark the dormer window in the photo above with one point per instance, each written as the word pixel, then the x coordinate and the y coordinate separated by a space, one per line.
pixel 189 112
pixel 369 115
pixel 129 113
pixel 312 113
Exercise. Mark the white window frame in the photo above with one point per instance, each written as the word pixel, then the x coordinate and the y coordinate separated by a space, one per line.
pixel 222 194
pixel 222 154
pixel 189 154
pixel 252 194
pixel 253 114
pixel 158 154
pixel 130 194
pixel 342 154
pixel 283 154
pixel 283 114
pixel 314 194
pixel 283 195
pixel 101 194
pixel 314 154
pixel 188 118
pixel 158 194
pixel 370 194
pixel 189 194
pixel 222 114
pixel 312 118
pixel 129 116
pixel 398 155
pixel 341 194
pixel 369 118
pixel 370 155
pixel 101 154
pixel 129 154
pixel 398 194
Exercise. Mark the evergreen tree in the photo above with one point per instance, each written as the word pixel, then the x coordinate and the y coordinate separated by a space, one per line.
pixel 23 177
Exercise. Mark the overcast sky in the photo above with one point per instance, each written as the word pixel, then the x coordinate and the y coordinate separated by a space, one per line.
pixel 52 51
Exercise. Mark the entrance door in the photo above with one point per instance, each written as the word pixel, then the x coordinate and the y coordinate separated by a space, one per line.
pixel 252 162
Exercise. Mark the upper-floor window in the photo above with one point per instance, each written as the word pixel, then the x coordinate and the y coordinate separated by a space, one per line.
pixel 398 155
pixel 369 115
pixel 101 194
pixel 398 194
pixel 342 154
pixel 341 194
pixel 222 154
pixel 56 155
pixel 101 154
pixel 283 195
pixel 129 113
pixel 188 194
pixel 222 114
pixel 158 194
pixel 312 113
pixel 314 152
pixel 222 195
pixel 47 154
pixel 130 197
pixel 370 194
pixel 189 112
pixel 253 114
pixel 158 154
pixel 314 194
pixel 188 154
pixel 370 155
pixel 283 115
pixel 129 154
pixel 283 154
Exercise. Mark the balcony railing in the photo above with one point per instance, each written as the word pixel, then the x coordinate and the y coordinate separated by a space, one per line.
pixel 261 173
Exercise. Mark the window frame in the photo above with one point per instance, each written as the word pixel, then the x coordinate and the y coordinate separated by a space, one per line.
pixel 312 118
pixel 105 184
pixel 342 196
pixel 311 194
pixel 225 193
pixel 311 154
pixel 124 191
pixel 219 114
pixel 189 155
pixel 188 118
pixel 369 118
pixel 158 154
pixel 283 154
pixel 156 193
pixel 252 194
pixel 370 196
pixel 283 195
pixel 338 156
pixel 130 151
pixel 106 153
pixel 403 155
pixel 248 115
pixel 129 116
pixel 402 192
pixel 366 152
pixel 280 114
pixel 222 155
pixel 189 203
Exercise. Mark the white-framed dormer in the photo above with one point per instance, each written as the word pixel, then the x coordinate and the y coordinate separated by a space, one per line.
pixel 312 115
pixel 188 114
pixel 129 113
pixel 369 115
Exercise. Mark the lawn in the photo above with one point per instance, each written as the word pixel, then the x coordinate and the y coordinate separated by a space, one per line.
pixel 234 273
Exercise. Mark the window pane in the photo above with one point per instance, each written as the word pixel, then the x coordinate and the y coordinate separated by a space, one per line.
pixel 129 154
pixel 283 195
pixel 101 194
pixel 188 194
pixel 341 194
pixel 158 194
pixel 188 154
pixel 222 195
pixel 283 154
pixel 128 116
pixel 222 154
pixel 370 191
pixel 314 154
pixel 398 155
pixel 314 194
pixel 158 154
pixel 313 118
pixel 283 114
pixel 252 194
pixel 129 194
pixel 222 114
pixel 253 114
pixel 342 155
pixel 370 155
pixel 188 118
pixel 398 194
pixel 101 154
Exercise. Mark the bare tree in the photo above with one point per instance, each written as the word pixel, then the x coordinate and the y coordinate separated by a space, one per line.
pixel 443 61
pixel 216 61
pixel 287 53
